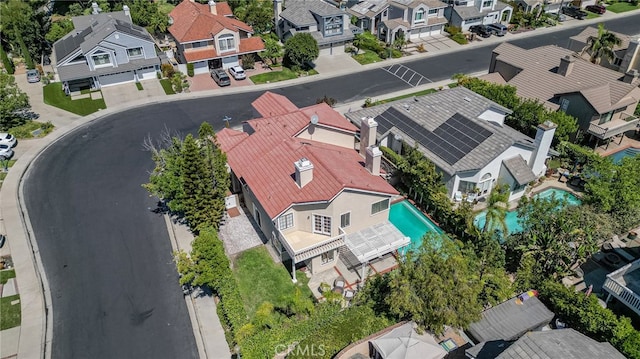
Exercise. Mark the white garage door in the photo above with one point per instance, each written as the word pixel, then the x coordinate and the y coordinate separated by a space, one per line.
pixel 435 30
pixel 107 80
pixel 147 74
pixel 230 61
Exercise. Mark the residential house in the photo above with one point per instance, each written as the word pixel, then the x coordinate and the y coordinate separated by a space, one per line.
pixel 104 49
pixel 465 13
pixel 207 36
pixel 602 100
pixel 408 19
pixel 547 6
pixel 551 344
pixel 311 194
pixel 328 24
pixel 624 285
pixel 464 135
pixel 626 56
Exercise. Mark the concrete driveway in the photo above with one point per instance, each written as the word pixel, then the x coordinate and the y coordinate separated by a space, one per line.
pixel 329 63
pixel 119 94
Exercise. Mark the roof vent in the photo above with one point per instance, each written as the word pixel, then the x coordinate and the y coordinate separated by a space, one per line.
pixel 468 99
pixel 407 106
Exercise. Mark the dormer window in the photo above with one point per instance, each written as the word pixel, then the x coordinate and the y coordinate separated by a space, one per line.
pixel 135 52
pixel 487 3
pixel 101 60
pixel 433 12
pixel 226 43
pixel 419 15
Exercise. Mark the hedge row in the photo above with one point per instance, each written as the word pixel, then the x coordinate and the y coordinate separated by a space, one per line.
pixel 585 315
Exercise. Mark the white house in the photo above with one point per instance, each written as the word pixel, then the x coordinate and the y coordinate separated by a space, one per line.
pixel 464 135
pixel 465 13
pixel 105 49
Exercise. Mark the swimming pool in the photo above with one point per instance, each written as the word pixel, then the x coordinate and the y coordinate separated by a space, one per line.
pixel 512 220
pixel 411 222
pixel 627 152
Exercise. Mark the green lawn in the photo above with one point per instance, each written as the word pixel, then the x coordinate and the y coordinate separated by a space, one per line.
pixel 274 76
pixel 167 87
pixel 54 96
pixel 139 86
pixel 452 85
pixel 622 7
pixel 9 314
pixel 6 274
pixel 260 279
pixel 367 57
pixel 592 15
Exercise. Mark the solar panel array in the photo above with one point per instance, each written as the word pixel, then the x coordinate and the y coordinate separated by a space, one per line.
pixel 450 141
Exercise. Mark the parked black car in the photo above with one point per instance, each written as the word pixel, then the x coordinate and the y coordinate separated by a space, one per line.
pixel 481 30
pixel 574 12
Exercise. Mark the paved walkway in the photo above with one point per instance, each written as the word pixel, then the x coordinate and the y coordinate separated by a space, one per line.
pixel 35 332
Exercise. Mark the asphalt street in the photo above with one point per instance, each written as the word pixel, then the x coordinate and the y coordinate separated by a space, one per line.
pixel 107 255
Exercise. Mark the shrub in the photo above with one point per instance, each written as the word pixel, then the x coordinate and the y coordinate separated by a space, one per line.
pixel 25 130
pixel 26 55
pixel 396 53
pixel 8 64
pixel 460 38
pixel 421 48
pixel 179 82
pixel 190 70
pixel 328 100
pixel 167 70
pixel 453 30
pixel 248 61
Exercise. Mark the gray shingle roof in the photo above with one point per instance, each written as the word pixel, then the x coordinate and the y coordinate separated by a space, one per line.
pixel 69 43
pixel 82 22
pixel 368 8
pixel 559 344
pixel 539 78
pixel 431 111
pixel 300 12
pixel 82 71
pixel 347 35
pixel 509 320
pixel 519 170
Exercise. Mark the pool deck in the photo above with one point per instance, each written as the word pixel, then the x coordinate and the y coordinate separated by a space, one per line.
pixel 614 147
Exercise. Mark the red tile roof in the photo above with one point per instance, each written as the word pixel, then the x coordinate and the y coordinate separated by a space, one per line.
pixel 193 21
pixel 271 104
pixel 223 8
pixel 265 160
pixel 255 45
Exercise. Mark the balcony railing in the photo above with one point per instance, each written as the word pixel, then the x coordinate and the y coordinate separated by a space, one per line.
pixel 313 250
pixel 614 127
pixel 615 285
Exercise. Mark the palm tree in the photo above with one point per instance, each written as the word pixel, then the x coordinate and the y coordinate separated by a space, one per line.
pixel 602 45
pixel 496 212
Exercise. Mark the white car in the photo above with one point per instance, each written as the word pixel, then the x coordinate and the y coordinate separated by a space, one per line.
pixel 237 72
pixel 8 139
pixel 5 152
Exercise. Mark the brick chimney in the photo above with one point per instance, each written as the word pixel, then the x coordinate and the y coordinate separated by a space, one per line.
pixel 212 7
pixel 304 172
pixel 373 159
pixel 630 76
pixel 368 128
pixel 544 137
pixel 566 65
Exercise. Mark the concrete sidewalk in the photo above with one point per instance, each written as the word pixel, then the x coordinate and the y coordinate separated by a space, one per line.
pixel 35 332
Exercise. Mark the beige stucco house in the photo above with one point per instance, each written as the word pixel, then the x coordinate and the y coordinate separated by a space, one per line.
pixel 311 193
pixel 602 100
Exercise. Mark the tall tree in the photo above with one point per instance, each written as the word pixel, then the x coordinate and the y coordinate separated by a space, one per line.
pixel 6 62
pixel 300 50
pixel 602 45
pixel 272 50
pixel 436 286
pixel 13 102
pixel 257 14
pixel 24 25
pixel 496 212
pixel 59 29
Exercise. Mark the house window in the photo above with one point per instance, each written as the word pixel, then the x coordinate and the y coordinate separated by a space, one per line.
pixel 617 61
pixel 101 59
pixel 419 15
pixel 433 12
pixel 333 26
pixel 285 221
pixel 466 187
pixel 195 45
pixel 327 257
pixel 345 220
pixel 379 206
pixel 564 105
pixel 384 13
pixel 322 224
pixel 256 213
pixel 136 52
pixel 605 117
pixel 487 3
pixel 226 43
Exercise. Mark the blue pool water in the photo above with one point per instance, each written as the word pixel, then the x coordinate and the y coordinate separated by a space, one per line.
pixel 411 222
pixel 512 220
pixel 628 152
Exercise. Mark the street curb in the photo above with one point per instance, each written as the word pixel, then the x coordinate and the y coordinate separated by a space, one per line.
pixel 36 327
pixel 195 321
